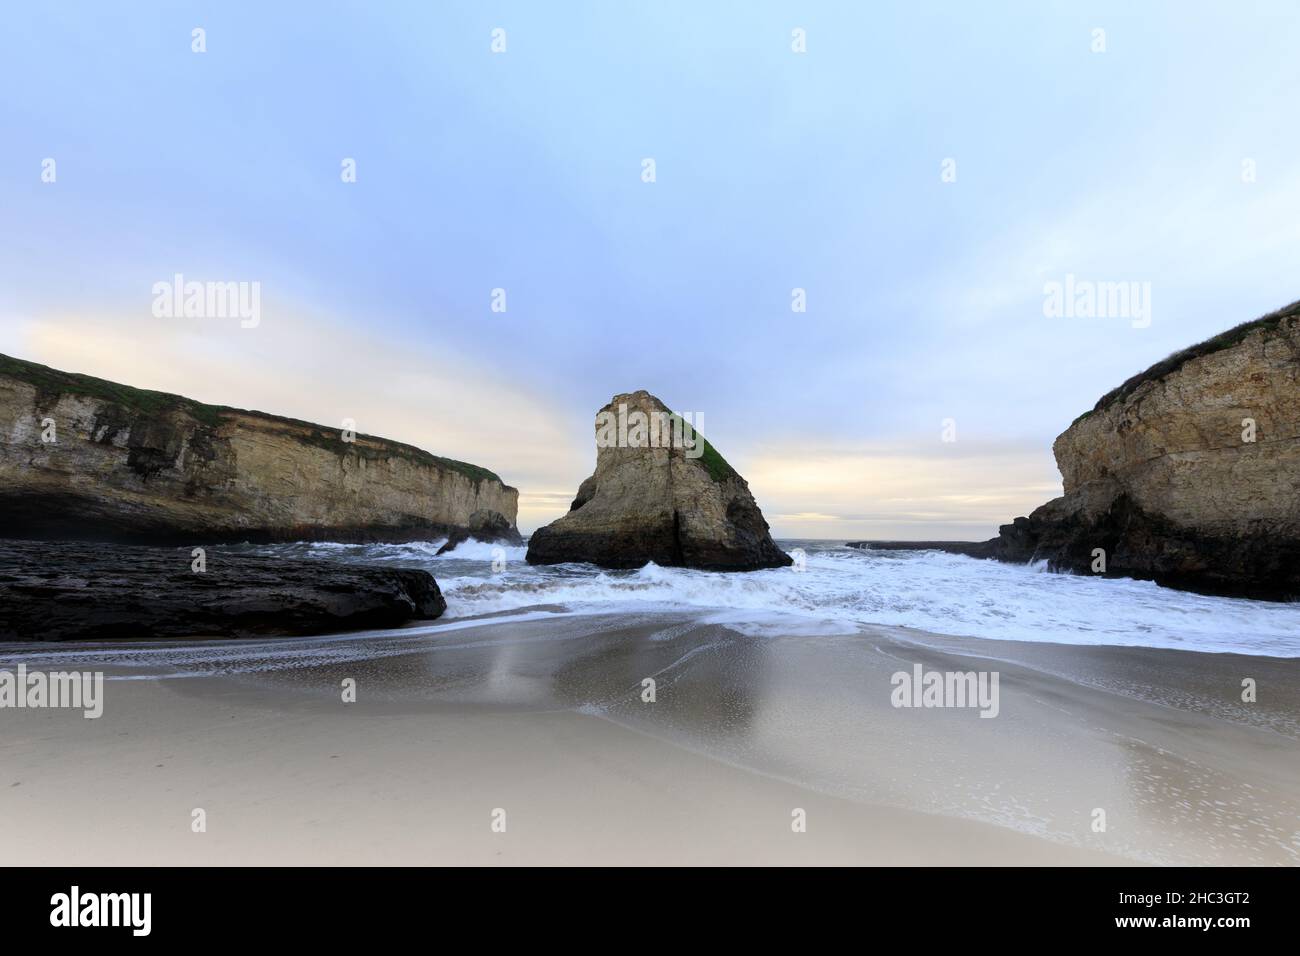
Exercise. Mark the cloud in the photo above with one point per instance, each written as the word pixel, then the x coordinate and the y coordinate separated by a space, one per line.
pixel 323 370
pixel 956 492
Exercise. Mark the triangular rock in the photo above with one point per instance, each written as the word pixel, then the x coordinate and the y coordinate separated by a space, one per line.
pixel 657 496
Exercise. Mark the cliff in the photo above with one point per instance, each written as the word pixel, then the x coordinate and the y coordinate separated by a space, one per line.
pixel 1188 473
pixel 656 498
pixel 138 466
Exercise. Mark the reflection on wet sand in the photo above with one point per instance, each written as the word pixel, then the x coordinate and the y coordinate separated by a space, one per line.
pixel 1156 740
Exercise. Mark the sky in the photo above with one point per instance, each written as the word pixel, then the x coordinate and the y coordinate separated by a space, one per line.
pixel 922 171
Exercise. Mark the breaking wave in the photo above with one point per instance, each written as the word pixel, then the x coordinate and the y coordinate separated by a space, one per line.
pixel 844 587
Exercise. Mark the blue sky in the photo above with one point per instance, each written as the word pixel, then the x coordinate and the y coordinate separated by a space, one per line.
pixel 774 170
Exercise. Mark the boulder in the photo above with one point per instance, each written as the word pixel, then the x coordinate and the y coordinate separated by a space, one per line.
pixel 59 591
pixel 487 526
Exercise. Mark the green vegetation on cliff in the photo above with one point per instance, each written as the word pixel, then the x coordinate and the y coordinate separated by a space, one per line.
pixel 1173 363
pixel 710 457
pixel 51 383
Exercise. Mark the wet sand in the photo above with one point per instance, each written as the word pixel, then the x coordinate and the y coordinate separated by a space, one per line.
pixel 545 719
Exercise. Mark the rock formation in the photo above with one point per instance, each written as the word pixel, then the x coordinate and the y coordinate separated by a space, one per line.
pixel 657 496
pixel 82 458
pixel 58 591
pixel 1187 474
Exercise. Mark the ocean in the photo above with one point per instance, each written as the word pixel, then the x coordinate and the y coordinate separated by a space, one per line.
pixel 534 684
pixel 842 588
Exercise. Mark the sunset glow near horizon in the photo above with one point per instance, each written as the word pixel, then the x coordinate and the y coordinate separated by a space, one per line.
pixel 921 225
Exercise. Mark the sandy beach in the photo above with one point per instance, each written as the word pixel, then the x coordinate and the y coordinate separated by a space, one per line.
pixel 544 718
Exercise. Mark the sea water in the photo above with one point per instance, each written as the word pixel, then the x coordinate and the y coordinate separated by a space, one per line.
pixel 841 588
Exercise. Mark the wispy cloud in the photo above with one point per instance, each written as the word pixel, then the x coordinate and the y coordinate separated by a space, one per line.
pixel 958 492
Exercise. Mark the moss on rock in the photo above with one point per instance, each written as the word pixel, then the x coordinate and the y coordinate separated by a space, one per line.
pixel 1171 364
pixel 51 383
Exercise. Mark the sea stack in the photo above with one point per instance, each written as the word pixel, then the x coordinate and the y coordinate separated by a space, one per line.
pixel 1188 473
pixel 660 493
pixel 87 459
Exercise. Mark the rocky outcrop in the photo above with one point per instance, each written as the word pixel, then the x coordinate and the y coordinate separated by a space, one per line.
pixel 82 458
pixel 1187 474
pixel 657 496
pixel 483 526
pixel 58 591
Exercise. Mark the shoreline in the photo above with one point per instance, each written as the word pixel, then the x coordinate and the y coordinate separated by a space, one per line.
pixel 544 718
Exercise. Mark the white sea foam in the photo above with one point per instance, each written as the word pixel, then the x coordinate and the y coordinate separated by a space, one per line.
pixel 930 591
pixel 844 587
pixel 410 552
pixel 483 551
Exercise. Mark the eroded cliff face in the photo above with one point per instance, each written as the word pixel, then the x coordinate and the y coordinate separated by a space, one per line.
pixel 137 466
pixel 1188 473
pixel 649 502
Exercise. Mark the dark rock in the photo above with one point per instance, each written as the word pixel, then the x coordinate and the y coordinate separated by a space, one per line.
pixel 492 526
pixel 486 526
pixel 58 591
pixel 456 538
pixel 1138 544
